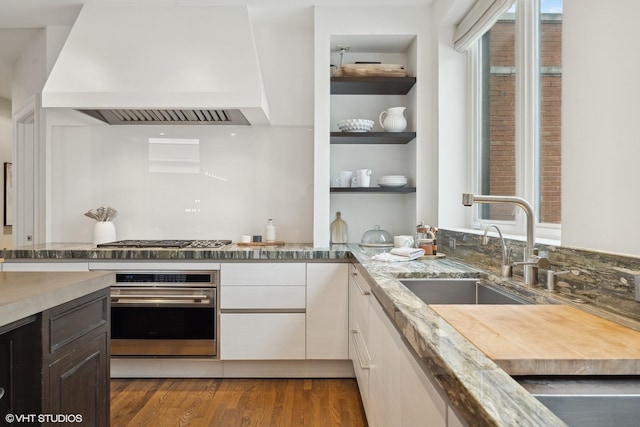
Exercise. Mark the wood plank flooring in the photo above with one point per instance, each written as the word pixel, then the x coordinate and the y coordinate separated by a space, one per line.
pixel 236 402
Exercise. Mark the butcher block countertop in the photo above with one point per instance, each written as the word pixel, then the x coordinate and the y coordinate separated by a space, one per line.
pixel 547 339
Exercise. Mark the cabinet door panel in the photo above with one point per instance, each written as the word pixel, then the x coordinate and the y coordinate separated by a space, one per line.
pixel 262 336
pixel 421 402
pixel 327 311
pixel 262 297
pixel 359 355
pixel 359 296
pixel 263 274
pixel 20 367
pixel 79 383
pixel 358 343
pixel 453 420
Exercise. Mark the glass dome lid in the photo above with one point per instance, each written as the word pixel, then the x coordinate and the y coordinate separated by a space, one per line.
pixel 377 238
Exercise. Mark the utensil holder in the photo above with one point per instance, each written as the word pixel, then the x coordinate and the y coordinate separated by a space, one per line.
pixel 103 232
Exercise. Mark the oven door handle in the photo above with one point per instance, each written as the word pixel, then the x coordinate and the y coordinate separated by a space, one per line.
pixel 158 299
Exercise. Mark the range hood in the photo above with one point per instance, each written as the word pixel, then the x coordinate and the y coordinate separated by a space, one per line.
pixel 158 64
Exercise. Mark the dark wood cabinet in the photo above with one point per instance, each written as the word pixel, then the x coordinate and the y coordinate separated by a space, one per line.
pixel 20 362
pixel 57 362
pixel 76 359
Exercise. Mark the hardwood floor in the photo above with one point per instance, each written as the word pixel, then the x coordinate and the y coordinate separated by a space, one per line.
pixel 236 402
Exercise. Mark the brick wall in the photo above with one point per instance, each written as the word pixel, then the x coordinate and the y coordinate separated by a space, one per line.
pixel 501 173
pixel 550 110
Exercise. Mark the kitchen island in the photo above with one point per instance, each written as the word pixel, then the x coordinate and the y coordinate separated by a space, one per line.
pixel 54 347
pixel 479 390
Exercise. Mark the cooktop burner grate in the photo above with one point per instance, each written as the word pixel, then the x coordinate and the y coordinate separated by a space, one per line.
pixel 171 244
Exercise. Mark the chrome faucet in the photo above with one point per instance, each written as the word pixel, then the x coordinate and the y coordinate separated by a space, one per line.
pixel 506 270
pixel 531 260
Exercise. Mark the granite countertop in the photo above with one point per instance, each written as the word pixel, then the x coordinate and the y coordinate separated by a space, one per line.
pixel 88 251
pixel 476 386
pixel 25 294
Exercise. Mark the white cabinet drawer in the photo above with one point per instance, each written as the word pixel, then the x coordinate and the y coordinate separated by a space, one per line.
pixel 258 336
pixel 263 274
pixel 262 297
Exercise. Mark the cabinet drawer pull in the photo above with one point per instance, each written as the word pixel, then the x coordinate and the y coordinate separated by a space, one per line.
pixel 262 311
pixel 354 334
pixel 362 291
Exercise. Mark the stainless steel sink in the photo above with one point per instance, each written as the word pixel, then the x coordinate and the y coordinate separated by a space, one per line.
pixel 589 401
pixel 459 291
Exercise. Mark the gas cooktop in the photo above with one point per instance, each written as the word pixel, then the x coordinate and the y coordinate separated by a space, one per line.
pixel 174 244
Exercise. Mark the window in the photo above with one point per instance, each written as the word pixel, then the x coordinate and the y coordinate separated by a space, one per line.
pixel 517 143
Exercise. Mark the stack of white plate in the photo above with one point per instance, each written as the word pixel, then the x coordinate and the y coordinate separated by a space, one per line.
pixel 392 181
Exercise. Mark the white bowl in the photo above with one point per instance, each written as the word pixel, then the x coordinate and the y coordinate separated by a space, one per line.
pixel 355 125
pixel 392 184
pixel 393 177
pixel 396 181
pixel 392 180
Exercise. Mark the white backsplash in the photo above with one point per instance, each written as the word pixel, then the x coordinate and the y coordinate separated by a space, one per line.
pixel 216 183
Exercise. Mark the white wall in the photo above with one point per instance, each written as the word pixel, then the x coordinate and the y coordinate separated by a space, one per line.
pixel 284 41
pixel 600 115
pixel 6 150
pixel 231 186
pixel 453 136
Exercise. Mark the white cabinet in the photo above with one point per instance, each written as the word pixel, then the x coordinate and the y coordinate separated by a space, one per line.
pixel 359 295
pixel 262 336
pixel 262 297
pixel 384 383
pixel 262 308
pixel 395 390
pixel 421 401
pixel 263 274
pixel 327 311
pixel 453 420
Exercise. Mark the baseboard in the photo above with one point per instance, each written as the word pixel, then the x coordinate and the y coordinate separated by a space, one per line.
pixel 209 368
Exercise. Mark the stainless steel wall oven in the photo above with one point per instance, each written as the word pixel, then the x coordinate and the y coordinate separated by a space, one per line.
pixel 167 313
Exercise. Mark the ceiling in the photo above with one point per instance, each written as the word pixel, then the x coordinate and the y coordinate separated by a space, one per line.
pixel 21 19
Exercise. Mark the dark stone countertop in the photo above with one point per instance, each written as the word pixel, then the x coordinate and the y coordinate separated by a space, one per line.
pixel 88 251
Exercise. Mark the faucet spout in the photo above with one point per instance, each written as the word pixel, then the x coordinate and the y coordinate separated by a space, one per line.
pixel 530 271
pixel 506 270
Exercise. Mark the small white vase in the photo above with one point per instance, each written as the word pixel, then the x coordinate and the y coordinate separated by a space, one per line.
pixel 103 232
pixel 394 120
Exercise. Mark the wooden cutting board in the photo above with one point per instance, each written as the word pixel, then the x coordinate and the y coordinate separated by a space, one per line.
pixel 547 339
pixel 275 243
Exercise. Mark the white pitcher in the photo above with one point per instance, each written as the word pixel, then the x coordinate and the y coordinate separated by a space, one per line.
pixel 395 121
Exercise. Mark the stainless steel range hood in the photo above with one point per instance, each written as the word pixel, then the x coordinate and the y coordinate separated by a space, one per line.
pixel 159 64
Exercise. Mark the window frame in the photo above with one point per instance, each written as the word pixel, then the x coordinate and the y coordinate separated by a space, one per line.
pixel 527 122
